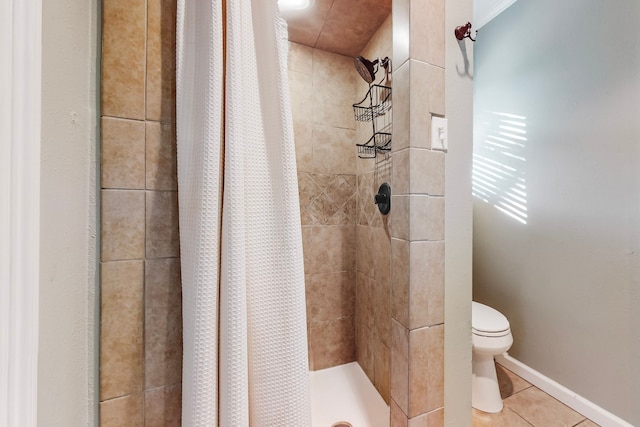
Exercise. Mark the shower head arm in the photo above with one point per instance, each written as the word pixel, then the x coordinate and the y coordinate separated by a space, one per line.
pixel 386 64
pixel 382 62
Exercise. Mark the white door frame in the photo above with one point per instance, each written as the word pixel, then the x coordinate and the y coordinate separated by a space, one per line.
pixel 20 104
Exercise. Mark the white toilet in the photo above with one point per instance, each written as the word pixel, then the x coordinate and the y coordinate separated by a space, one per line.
pixel 491 335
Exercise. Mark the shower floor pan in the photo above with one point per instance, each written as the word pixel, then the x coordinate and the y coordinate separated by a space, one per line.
pixel 345 394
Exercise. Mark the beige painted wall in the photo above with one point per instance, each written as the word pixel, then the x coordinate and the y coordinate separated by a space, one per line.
pixel 67 367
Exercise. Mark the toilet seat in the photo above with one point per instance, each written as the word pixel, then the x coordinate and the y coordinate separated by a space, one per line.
pixel 488 322
pixel 490 334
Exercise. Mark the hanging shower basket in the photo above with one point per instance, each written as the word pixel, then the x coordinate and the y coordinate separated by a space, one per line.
pixel 379 142
pixel 376 102
pixel 374 108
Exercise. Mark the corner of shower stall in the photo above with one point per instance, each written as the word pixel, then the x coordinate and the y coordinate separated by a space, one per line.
pixel 343 396
pixel 346 240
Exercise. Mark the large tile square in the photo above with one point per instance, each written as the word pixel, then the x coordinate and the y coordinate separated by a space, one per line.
pixel 506 418
pixel 123 58
pixel 122 412
pixel 540 409
pixel 123 225
pixel 509 382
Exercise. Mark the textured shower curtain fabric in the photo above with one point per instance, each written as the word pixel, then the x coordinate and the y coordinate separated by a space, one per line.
pixel 245 351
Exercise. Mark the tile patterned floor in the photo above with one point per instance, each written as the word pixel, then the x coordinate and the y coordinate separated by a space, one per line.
pixel 527 406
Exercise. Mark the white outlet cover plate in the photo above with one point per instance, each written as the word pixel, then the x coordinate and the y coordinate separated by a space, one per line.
pixel 439 133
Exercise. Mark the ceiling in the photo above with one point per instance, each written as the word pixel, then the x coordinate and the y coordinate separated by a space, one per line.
pixel 485 10
pixel 339 26
pixel 346 26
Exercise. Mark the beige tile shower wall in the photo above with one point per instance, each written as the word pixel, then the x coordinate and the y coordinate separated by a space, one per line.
pixel 141 313
pixel 417 223
pixel 322 88
pixel 373 254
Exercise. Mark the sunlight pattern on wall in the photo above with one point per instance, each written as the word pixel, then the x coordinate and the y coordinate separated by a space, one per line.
pixel 498 176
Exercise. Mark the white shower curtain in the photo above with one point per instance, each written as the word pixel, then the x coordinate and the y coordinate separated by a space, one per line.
pixel 245 345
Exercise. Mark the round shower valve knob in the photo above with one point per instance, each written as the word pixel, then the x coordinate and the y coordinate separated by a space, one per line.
pixel 383 198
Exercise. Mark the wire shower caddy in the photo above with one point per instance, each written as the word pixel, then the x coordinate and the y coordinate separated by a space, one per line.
pixel 374 108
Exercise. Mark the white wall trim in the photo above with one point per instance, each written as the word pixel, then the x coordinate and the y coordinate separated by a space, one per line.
pixel 486 10
pixel 458 218
pixel 573 400
pixel 20 104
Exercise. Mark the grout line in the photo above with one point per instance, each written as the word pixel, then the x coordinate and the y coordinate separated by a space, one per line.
pixel 140 259
pixel 144 277
pixel 139 189
pixel 124 396
pixel 127 119
pixel 521 417
pixel 425 63
pixel 519 391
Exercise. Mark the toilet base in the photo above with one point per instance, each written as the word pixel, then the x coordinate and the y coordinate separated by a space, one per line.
pixel 485 393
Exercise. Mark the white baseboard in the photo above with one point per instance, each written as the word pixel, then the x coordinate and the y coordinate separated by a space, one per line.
pixel 576 402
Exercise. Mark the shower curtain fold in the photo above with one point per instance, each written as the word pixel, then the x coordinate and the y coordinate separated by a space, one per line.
pixel 245 348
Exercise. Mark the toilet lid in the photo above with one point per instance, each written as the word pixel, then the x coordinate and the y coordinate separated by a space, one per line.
pixel 487 319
